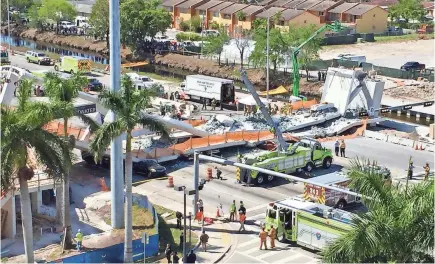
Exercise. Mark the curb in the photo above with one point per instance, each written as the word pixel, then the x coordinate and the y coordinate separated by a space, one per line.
pixel 223 254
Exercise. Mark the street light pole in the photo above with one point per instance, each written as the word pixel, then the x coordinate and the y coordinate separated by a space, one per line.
pixel 185 233
pixel 9 29
pixel 267 59
pixel 116 175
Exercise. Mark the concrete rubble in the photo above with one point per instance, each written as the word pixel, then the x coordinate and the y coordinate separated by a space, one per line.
pixel 413 89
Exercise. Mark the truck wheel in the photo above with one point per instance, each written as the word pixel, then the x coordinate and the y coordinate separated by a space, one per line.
pixel 309 167
pixel 260 178
pixel 270 178
pixel 56 68
pixel 327 163
pixel 341 204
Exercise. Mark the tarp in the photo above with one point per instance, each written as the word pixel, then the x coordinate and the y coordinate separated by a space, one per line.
pixel 279 90
pixel 249 100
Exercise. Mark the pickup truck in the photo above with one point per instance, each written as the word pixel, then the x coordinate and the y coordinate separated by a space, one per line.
pixel 413 65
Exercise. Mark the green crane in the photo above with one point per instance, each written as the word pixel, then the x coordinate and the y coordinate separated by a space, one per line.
pixel 336 27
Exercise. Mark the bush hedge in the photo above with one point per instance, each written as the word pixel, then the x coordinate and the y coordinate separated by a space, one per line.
pixel 183 36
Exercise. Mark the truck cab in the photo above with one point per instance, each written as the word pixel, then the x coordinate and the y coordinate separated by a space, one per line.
pixel 73 64
pixel 320 155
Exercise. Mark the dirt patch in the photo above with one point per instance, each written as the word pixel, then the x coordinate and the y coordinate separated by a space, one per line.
pixel 76 42
pixel 208 67
pixel 412 89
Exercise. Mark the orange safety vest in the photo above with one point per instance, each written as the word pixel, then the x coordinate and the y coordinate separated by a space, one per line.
pixel 263 236
pixel 272 233
pixel 242 218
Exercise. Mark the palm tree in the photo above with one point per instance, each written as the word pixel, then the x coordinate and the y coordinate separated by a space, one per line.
pixel 62 93
pixel 24 145
pixel 127 104
pixel 398 227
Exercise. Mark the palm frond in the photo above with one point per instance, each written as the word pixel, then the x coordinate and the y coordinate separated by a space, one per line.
pixel 112 100
pixel 104 136
pixel 93 126
pixel 24 92
pixel 153 124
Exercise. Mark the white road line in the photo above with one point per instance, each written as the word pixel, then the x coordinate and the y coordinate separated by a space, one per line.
pixel 256 207
pixel 252 250
pixel 274 252
pixel 255 217
pixel 289 259
pixel 246 255
pixel 252 241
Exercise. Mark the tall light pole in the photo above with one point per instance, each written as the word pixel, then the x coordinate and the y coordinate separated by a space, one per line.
pixel 9 29
pixel 116 171
pixel 267 58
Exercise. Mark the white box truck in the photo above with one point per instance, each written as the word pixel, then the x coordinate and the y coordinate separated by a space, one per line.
pixel 200 87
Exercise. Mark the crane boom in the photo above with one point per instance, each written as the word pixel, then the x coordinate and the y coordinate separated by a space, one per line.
pixel 336 27
pixel 282 143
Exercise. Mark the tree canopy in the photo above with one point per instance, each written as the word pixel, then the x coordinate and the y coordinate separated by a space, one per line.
pixel 141 19
pixel 56 10
pixel 398 227
pixel 407 9
pixel 99 20
pixel 214 45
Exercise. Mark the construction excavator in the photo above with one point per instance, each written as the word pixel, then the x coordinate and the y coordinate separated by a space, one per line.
pixel 306 154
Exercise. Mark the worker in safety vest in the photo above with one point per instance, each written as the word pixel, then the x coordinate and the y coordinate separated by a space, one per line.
pixel 263 239
pixel 232 211
pixel 79 239
pixel 342 149
pixel 426 171
pixel 213 104
pixel 272 235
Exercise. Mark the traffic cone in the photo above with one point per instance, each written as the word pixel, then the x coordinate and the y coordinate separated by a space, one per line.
pixel 416 146
pixel 218 214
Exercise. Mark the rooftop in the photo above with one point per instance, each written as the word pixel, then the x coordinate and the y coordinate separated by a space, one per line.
pixel 294 3
pixel 323 6
pixel 270 12
pixel 172 3
pixel 307 4
pixel 383 2
pixel 264 2
pixel 252 9
pixel 330 178
pixel 281 3
pixel 289 14
pixel 360 9
pixel 189 3
pixel 208 5
pixel 221 6
pixel 342 8
pixel 233 9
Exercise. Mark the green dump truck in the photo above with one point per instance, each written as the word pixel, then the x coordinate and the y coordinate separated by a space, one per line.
pixel 307 224
pixel 73 64
pixel 306 154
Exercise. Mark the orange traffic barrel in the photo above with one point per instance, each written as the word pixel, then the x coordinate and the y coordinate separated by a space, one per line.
pixel 170 181
pixel 209 174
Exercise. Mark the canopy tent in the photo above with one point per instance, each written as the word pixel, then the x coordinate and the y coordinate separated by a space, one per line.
pixel 249 100
pixel 279 90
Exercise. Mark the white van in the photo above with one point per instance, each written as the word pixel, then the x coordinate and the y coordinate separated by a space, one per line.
pixel 140 80
pixel 352 57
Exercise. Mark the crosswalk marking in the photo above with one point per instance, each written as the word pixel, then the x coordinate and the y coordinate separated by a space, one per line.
pixel 252 250
pixel 289 259
pixel 256 207
pixel 252 241
pixel 274 252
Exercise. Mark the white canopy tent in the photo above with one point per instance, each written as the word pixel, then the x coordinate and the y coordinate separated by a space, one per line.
pixel 249 100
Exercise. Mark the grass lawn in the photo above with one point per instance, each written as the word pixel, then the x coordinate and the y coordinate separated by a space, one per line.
pixel 142 221
pixel 169 234
pixel 402 38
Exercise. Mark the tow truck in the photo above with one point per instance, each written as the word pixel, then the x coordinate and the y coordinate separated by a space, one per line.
pixel 308 224
pixel 305 154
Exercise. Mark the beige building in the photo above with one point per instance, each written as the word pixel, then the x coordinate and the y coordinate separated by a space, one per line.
pixel 204 11
pixel 321 9
pixel 250 13
pixel 230 17
pixel 186 10
pixel 365 18
pixel 170 6
pixel 291 18
pixel 217 17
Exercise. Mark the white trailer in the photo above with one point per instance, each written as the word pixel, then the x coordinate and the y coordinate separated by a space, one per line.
pixel 200 87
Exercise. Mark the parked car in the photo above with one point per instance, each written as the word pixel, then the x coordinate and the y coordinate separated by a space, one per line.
pixel 95 85
pixel 161 38
pixel 66 25
pixel 149 168
pixel 209 33
pixel 37 57
pixel 413 65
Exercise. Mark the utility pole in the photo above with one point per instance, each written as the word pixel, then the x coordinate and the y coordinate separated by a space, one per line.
pixel 195 181
pixel 116 171
pixel 267 58
pixel 9 29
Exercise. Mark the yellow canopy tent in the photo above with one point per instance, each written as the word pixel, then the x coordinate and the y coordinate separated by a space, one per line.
pixel 279 90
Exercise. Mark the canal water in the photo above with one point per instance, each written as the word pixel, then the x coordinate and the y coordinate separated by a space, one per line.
pixel 18 42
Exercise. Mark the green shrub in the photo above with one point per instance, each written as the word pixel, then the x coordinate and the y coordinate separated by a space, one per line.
pixel 214 25
pixel 182 36
pixel 185 25
pixel 196 24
